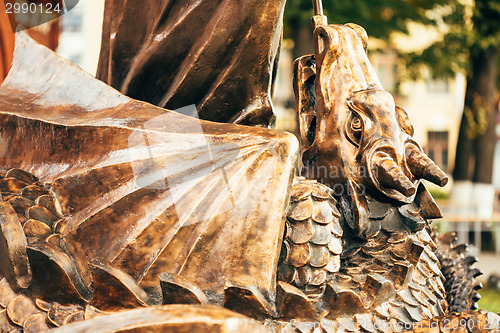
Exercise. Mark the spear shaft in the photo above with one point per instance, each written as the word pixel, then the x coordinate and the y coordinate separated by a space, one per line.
pixel 319 18
pixel 318 7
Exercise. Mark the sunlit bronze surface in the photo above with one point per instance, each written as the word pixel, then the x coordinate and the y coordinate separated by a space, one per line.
pixel 219 55
pixel 354 138
pixel 120 216
pixel 144 189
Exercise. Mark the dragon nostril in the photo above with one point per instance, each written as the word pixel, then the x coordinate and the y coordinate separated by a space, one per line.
pixel 390 175
pixel 422 166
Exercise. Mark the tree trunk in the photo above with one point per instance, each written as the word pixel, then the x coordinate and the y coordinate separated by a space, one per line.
pixel 463 157
pixel 485 83
pixel 477 150
pixel 477 139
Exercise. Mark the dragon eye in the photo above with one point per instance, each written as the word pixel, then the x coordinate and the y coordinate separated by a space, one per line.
pixel 356 124
pixel 354 129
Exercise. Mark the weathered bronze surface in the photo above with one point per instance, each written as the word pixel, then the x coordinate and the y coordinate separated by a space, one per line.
pixel 313 238
pixel 353 137
pixel 392 276
pixel 220 55
pixel 117 168
pixel 120 216
pixel 456 265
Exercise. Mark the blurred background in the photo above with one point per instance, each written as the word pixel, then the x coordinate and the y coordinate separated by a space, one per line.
pixel 440 60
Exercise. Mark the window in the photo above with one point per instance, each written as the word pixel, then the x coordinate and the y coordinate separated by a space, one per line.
pixel 72 21
pixel 437 148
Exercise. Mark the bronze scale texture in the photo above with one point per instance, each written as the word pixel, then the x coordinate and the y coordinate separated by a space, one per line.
pixel 115 166
pixel 388 282
pixel 456 265
pixel 95 237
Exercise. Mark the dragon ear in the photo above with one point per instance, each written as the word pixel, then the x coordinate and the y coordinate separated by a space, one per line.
pixel 404 120
pixel 361 33
pixel 326 41
pixel 305 100
pixel 428 207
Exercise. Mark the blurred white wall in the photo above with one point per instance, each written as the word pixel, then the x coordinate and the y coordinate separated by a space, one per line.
pixel 80 39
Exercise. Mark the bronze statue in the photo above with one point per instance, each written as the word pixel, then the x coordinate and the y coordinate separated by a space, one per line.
pixel 220 55
pixel 118 215
pixel 354 138
pixel 373 262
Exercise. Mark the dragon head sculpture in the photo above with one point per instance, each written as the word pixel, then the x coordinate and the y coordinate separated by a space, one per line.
pixel 355 139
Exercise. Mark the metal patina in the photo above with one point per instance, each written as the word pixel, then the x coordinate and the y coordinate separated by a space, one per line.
pixel 122 216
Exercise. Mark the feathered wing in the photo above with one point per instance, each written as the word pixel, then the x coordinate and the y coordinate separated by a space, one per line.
pixel 219 55
pixel 148 190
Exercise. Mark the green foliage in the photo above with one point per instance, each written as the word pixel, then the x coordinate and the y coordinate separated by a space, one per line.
pixel 467 30
pixel 487 33
pixel 454 18
pixel 444 58
pixel 380 18
pixel 490 300
pixel 439 194
pixel 383 17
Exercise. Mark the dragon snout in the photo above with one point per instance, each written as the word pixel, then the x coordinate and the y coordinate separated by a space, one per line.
pixel 421 166
pixel 398 178
pixel 390 176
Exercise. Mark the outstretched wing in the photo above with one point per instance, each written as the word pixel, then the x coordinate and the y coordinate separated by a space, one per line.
pixel 147 190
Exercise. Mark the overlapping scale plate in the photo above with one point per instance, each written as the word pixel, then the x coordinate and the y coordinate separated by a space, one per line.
pixel 314 236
